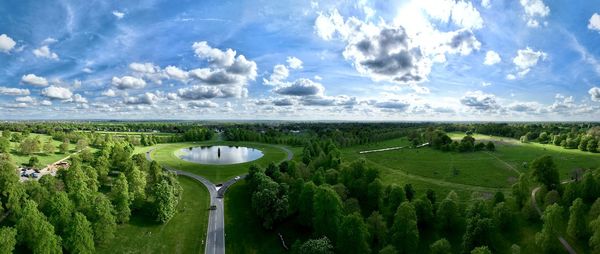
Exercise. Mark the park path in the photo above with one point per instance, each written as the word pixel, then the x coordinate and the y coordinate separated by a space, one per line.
pixel 215 232
pixel 561 239
pixel 505 163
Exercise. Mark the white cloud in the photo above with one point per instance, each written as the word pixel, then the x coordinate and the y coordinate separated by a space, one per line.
pixel 28 99
pixel 146 98
pixel 128 82
pixel 280 73
pixel 486 4
pixel 34 80
pixel 176 73
pixel 525 60
pixel 317 77
pixel 148 68
pixel 491 58
pixel 49 41
pixel 301 87
pixel 479 100
pixel 486 84
pixel 202 104
pixel 109 93
pixel 294 62
pixel 461 13
pixel 594 23
pixel 57 93
pixel 214 55
pixel 118 14
pixel 511 77
pixel 594 93
pixel 13 91
pixel 87 70
pixel 77 98
pixel 45 52
pixel 534 9
pixel 46 103
pixel 6 43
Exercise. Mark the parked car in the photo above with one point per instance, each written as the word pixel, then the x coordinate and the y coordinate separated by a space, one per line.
pixel 24 174
pixel 35 175
pixel 219 184
pixel 237 178
pixel 212 207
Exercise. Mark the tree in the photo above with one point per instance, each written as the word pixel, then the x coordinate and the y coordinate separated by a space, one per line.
pixel 315 246
pixel 305 203
pixel 547 238
pixel 481 250
pixel 137 184
pixel 81 144
pixel 448 215
pixel 503 217
pixel 103 220
pixel 4 145
pixel 545 172
pixel 36 232
pixel 479 232
pixel 77 186
pixel 79 236
pixel 394 196
pixel 166 202
pixel 590 188
pixel 389 249
pixel 353 235
pixel 409 191
pixel 121 199
pixel 576 226
pixel 424 210
pixel 34 162
pixel 49 147
pixel 594 241
pixel 29 146
pixel 12 194
pixel 59 211
pixel 490 146
pixel 374 196
pixel 377 229
pixel 441 246
pixel 404 232
pixel 327 209
pixel 269 200
pixel 7 240
pixel 64 147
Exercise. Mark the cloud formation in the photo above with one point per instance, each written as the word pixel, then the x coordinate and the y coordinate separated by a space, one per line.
pixel 594 93
pixel 301 87
pixel 34 80
pixel 491 58
pixel 128 82
pixel 6 43
pixel 594 23
pixel 13 91
pixel 45 52
pixel 534 11
pixel 57 93
pixel 479 100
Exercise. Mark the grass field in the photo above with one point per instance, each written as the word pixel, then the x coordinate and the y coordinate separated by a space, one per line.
pixel 45 159
pixel 243 230
pixel 184 233
pixel 482 172
pixel 165 154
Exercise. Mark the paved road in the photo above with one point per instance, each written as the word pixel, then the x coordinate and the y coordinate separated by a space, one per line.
pixel 215 233
pixel 561 239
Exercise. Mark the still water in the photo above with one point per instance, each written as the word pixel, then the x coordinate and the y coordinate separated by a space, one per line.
pixel 219 155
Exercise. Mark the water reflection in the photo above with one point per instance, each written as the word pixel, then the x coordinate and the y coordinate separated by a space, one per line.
pixel 219 154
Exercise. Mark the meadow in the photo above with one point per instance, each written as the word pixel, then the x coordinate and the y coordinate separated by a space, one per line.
pixel 45 159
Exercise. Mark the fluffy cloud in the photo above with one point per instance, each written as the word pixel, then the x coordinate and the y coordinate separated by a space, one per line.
pixel 146 98
pixel 301 87
pixel 294 62
pixel 534 9
pixel 388 52
pixel 198 92
pixel 280 73
pixel 595 93
pixel 57 93
pixel 118 14
pixel 34 80
pixel 109 93
pixel 128 82
pixel 396 105
pixel 6 43
pixel 528 107
pixel 486 4
pixel 284 102
pixel 45 52
pixel 202 104
pixel 525 60
pixel 594 23
pixel 176 73
pixel 147 68
pixel 13 91
pixel 322 100
pixel 491 58
pixel 479 100
pixel 28 99
pixel 77 98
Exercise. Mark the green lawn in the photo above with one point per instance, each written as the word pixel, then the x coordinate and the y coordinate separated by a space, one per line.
pixel 243 230
pixel 45 159
pixel 165 154
pixel 184 233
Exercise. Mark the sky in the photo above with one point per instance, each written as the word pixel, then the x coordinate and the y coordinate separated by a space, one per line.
pixel 413 60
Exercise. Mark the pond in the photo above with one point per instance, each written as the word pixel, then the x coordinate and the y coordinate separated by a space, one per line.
pixel 219 155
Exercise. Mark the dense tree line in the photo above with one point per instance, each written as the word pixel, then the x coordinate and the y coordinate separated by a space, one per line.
pixel 81 207
pixel 439 140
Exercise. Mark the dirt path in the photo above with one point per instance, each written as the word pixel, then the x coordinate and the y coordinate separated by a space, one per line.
pixel 505 163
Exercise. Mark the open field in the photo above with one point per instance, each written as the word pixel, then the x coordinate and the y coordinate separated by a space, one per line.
pixel 243 230
pixel 165 154
pixel 184 233
pixel 45 159
pixel 479 172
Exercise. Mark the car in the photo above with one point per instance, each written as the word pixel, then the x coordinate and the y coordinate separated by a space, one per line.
pixel 237 178
pixel 212 207
pixel 35 175
pixel 24 174
pixel 219 184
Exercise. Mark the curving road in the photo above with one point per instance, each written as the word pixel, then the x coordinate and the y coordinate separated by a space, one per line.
pixel 215 232
pixel 561 239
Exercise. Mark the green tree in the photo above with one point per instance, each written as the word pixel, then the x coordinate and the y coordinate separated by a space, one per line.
pixel 269 201
pixel 29 146
pixel 490 146
pixel 76 183
pixel 448 215
pixel 594 241
pixel 49 147
pixel 547 238
pixel 394 196
pixel 34 162
pixel 327 209
pixel 481 250
pixel 353 235
pixel 7 240
pixel 404 232
pixel 377 230
pixel 441 246
pixel 79 236
pixel 36 232
pixel 590 187
pixel 479 232
pixel 12 194
pixel 103 218
pixel 121 199
pixel 576 226
pixel 409 191
pixel 424 210
pixel 64 147
pixel 545 172
pixel 305 203
pixel 166 202
pixel 315 246
pixel 389 249
pixel 503 217
pixel 4 145
pixel 81 144
pixel 59 211
pixel 137 184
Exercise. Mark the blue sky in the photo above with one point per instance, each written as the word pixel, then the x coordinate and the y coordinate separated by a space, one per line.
pixel 513 60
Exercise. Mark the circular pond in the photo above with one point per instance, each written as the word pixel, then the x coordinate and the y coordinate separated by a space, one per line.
pixel 219 155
